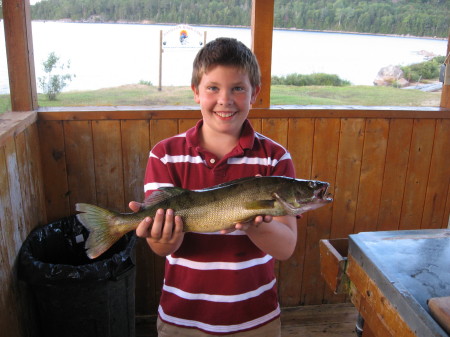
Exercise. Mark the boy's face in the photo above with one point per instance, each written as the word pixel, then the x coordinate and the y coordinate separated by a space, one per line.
pixel 225 96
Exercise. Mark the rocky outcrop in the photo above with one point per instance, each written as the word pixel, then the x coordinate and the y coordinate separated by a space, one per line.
pixel 389 76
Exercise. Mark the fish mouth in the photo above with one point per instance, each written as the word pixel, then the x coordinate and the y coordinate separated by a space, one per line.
pixel 323 194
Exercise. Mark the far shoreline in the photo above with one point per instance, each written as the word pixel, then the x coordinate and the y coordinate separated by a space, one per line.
pixel 148 22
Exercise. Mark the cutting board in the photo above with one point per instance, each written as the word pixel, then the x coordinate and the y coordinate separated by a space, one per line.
pixel 440 310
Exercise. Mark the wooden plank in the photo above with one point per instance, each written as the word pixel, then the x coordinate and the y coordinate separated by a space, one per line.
pixel 35 165
pixel 446 220
pixel 292 111
pixel 371 176
pixel 36 210
pixel 13 123
pixel 393 186
pixel 440 310
pixel 51 137
pixel 262 35
pixel 6 218
pixel 326 144
pixel 135 149
pixel 108 164
pixel 25 182
pixel 333 261
pixel 185 124
pixel 417 173
pixel 150 271
pixel 162 129
pixel 347 177
pixel 15 193
pixel 358 290
pixel 256 123
pixel 136 152
pixel 19 50
pixel 276 129
pixel 434 215
pixel 309 321
pixel 79 149
pixel 377 310
pixel 8 250
pixel 300 145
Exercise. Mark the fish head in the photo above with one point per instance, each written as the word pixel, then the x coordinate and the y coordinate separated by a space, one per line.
pixel 307 195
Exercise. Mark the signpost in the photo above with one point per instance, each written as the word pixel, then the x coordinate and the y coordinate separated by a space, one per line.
pixel 179 37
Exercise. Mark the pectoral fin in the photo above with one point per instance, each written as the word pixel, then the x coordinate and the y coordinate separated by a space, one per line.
pixel 290 210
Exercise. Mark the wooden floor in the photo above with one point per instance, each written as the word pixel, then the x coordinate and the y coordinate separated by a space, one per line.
pixel 330 320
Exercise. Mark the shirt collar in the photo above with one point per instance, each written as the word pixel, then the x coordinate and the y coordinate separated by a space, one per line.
pixel 246 140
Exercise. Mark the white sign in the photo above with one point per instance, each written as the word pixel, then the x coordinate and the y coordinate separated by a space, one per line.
pixel 182 36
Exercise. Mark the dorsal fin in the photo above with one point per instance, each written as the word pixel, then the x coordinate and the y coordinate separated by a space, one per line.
pixel 162 194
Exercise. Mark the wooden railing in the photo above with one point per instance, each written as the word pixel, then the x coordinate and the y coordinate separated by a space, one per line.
pixel 388 169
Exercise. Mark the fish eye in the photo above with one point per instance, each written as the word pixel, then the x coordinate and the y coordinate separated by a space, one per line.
pixel 312 184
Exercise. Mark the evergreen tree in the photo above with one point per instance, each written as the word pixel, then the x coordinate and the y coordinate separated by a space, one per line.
pixel 413 17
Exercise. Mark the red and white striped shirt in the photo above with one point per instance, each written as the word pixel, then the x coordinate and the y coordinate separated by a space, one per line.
pixel 219 284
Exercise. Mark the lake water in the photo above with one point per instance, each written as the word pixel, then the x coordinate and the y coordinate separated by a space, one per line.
pixel 109 55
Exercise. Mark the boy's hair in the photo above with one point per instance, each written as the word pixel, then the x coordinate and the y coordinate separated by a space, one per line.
pixel 226 52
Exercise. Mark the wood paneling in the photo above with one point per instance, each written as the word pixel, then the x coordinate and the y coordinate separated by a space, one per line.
pixel 80 162
pixel 394 178
pixel 385 173
pixel 434 211
pixel 22 208
pixel 371 176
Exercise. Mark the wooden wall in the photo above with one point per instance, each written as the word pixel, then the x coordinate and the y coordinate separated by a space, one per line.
pixel 21 209
pixel 388 169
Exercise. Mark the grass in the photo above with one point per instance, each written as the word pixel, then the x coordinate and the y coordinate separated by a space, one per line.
pixel 144 95
pixel 352 95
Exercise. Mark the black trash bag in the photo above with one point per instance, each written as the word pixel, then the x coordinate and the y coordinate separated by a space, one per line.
pixel 55 253
pixel 75 296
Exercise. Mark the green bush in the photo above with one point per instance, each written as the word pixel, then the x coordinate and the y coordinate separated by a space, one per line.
pixel 301 80
pixel 423 71
pixel 52 84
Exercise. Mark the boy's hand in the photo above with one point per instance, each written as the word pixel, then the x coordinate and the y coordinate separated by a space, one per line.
pixel 164 233
pixel 246 225
pixel 135 206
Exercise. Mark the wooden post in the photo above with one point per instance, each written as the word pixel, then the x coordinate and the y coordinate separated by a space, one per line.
pixel 160 59
pixel 445 95
pixel 19 51
pixel 262 32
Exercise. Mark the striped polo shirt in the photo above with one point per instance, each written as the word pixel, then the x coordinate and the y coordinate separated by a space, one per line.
pixel 219 284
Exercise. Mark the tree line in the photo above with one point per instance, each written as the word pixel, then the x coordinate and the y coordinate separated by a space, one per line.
pixel 411 17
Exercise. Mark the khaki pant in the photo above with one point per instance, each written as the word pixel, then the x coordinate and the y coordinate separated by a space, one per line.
pixel 271 329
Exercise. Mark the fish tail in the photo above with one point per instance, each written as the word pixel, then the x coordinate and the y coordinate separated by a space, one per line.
pixel 98 221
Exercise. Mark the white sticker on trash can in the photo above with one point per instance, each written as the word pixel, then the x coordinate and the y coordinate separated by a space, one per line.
pixel 79 238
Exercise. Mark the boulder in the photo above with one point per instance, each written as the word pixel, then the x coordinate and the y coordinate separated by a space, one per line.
pixel 389 75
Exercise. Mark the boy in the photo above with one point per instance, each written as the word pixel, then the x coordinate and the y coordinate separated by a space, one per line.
pixel 221 283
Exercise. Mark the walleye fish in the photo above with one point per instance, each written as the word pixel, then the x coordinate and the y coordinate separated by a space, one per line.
pixel 207 210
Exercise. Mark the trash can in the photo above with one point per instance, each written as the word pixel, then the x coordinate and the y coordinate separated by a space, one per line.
pixel 75 296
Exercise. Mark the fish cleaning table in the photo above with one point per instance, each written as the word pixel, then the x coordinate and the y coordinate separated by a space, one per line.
pixel 390 276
